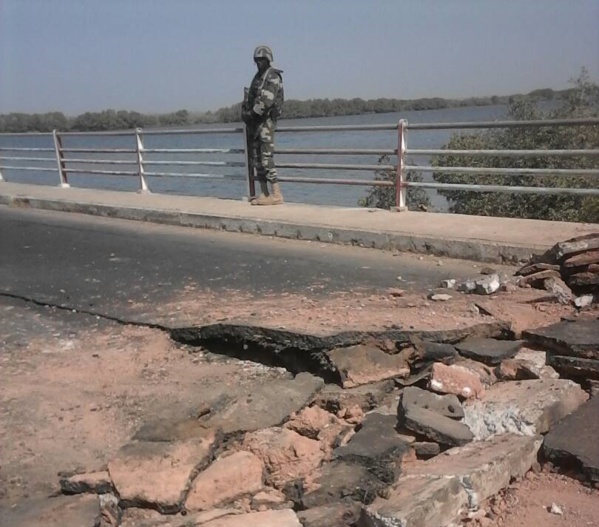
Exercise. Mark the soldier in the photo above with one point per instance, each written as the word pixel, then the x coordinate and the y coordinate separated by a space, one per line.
pixel 260 111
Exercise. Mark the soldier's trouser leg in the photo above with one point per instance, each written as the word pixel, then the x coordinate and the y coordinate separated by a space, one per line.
pixel 255 159
pixel 266 141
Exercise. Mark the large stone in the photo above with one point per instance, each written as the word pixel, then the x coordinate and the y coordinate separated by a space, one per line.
pixel 576 439
pixel 95 482
pixel 171 430
pixel 489 351
pixel 535 363
pixel 536 267
pixel 579 338
pixel 228 478
pixel 417 501
pixel 334 398
pixel 60 511
pixel 447 405
pixel 437 427
pixel 267 406
pixel 287 455
pixel 523 407
pixel 340 480
pixel 158 474
pixel 339 514
pixel 365 363
pixel 436 492
pixel 586 258
pixel 376 446
pixel 149 518
pixel 575 366
pixel 455 380
pixel 427 352
pixel 279 518
pixel 483 467
pixel 559 289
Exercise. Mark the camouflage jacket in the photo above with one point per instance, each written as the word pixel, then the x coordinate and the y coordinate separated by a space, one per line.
pixel 265 96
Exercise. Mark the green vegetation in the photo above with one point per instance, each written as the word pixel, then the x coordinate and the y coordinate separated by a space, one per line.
pixel 579 102
pixel 292 109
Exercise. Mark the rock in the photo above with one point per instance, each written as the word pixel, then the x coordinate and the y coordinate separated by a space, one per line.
pixel 484 467
pixel 469 286
pixel 259 410
pixel 583 301
pixel 538 278
pixel 339 514
pixel 333 398
pixel 485 373
pixel 583 279
pixel 575 367
pixel 489 351
pixel 523 407
pixel 586 258
pixel 535 362
pixel 352 414
pixel 446 405
pixel 396 292
pixel 227 479
pixel 376 446
pixel 60 511
pixel 427 352
pixel 110 512
pixel 96 482
pixel 455 380
pixel 488 285
pixel 279 518
pixel 575 440
pixel 340 480
pixel 488 271
pixel 437 427
pixel 158 474
pixel 440 297
pixel 559 289
pixel 269 499
pixel 514 370
pixel 363 364
pixel 171 429
pixel 519 316
pixel 536 267
pixel 556 509
pixel 316 423
pixel 448 284
pixel 426 449
pixel 287 455
pixel 417 501
pixel 579 338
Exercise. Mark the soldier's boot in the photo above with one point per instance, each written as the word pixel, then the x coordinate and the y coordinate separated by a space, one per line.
pixel 264 196
pixel 276 195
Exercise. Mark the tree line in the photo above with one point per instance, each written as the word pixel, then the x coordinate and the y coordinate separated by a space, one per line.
pixel 292 109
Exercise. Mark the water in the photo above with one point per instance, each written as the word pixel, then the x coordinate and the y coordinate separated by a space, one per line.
pixel 236 188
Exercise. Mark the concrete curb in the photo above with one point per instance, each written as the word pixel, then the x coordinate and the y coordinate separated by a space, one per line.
pixel 476 250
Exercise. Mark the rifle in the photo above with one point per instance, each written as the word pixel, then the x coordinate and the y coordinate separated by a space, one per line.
pixel 251 168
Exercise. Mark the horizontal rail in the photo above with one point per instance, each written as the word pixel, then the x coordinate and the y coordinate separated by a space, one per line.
pixel 330 181
pixel 198 163
pixel 194 150
pixel 102 172
pixel 195 175
pixel 101 161
pixel 339 128
pixel 505 189
pixel 115 133
pixel 194 131
pixel 592 121
pixel 503 153
pixel 21 149
pixel 338 151
pixel 99 150
pixel 336 166
pixel 11 158
pixel 39 169
pixel 506 171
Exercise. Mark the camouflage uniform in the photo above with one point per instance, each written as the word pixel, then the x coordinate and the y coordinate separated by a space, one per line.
pixel 262 121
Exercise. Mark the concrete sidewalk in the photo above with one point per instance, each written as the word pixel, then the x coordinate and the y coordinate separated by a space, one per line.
pixel 485 239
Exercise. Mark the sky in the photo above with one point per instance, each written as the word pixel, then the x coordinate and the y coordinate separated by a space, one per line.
pixel 164 55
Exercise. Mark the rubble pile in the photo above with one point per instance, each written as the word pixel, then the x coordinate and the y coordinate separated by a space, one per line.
pixel 569 270
pixel 414 433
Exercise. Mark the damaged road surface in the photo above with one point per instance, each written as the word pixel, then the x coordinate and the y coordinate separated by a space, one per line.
pixel 174 382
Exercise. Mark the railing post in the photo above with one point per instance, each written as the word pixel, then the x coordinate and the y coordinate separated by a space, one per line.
pixel 249 166
pixel 400 183
pixel 139 148
pixel 60 160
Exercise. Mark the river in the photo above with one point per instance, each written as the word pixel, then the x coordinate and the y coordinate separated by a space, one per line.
pixel 233 188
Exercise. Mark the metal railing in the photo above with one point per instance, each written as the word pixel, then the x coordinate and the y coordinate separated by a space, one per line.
pixel 137 164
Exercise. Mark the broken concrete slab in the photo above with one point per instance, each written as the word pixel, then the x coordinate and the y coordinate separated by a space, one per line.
pixel 268 405
pixel 483 467
pixel 536 267
pixel 363 364
pixel 270 499
pixel 376 446
pixel 428 352
pixel 436 427
pixel 514 370
pixel 538 277
pixel 287 455
pixel 575 367
pixel 148 518
pixel 157 475
pixel 339 514
pixel 447 405
pixel 488 285
pixel 575 440
pixel 278 518
pixel 333 398
pixel 171 429
pixel 485 373
pixel 417 501
pixel 559 289
pixel 579 338
pixel 94 482
pixel 489 351
pixel 586 258
pixel 455 380
pixel 225 480
pixel 60 511
pixel 535 363
pixel 523 407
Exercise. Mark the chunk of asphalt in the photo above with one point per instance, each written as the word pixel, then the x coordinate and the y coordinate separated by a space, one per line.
pixel 489 351
pixel 446 405
pixel 436 427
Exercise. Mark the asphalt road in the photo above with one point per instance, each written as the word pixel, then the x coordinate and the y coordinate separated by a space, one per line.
pixel 98 265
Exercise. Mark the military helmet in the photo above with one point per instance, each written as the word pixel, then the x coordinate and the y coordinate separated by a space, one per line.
pixel 263 52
